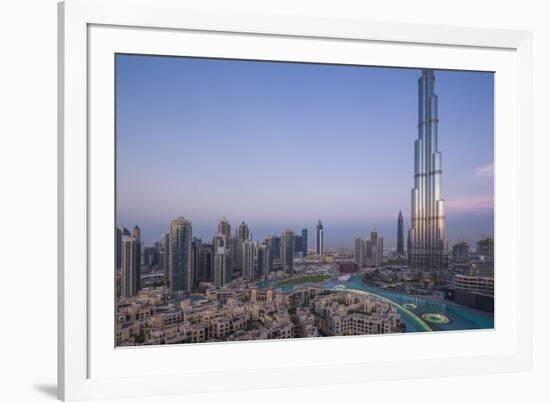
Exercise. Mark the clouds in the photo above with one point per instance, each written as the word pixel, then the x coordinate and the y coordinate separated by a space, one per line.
pixel 485 170
pixel 474 203
pixel 483 201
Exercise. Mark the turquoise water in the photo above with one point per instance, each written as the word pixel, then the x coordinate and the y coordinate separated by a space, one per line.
pixel 461 317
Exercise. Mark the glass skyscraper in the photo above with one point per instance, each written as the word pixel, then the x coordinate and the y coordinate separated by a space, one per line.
pixel 304 241
pixel 319 239
pixel 400 239
pixel 428 245
pixel 130 272
pixel 181 262
pixel 287 248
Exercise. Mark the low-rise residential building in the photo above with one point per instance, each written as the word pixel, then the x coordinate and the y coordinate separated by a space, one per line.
pixel 243 312
pixel 348 313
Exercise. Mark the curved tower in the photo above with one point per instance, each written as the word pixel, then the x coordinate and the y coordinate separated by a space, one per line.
pixel 428 245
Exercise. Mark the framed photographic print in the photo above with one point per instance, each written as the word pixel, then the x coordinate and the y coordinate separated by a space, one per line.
pixel 282 201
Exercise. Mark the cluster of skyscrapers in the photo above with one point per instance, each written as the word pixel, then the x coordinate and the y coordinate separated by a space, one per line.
pixel 370 251
pixel 186 260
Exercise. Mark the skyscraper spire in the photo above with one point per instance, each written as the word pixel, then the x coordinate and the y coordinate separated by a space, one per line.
pixel 428 245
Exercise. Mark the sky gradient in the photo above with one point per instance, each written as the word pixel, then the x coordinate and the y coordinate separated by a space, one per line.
pixel 285 144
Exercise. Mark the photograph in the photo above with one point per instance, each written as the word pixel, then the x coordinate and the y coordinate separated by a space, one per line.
pixel 275 200
pixel 262 200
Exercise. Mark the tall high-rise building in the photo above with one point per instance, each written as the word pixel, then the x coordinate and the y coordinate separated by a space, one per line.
pixel 287 250
pixel 304 242
pixel 271 245
pixel 249 270
pixel 136 233
pixel 319 239
pixel 428 245
pixel 360 248
pixel 205 260
pixel 230 257
pixel 118 248
pixel 400 237
pixel 166 257
pixel 242 234
pixel 196 247
pixel 129 283
pixel 275 246
pixel 264 261
pixel 219 240
pixel 220 268
pixel 181 263
pixel 486 247
pixel 461 252
pixel 224 227
pixel 162 266
pixel 158 255
pixel 150 256
pixel 374 249
pixel 297 244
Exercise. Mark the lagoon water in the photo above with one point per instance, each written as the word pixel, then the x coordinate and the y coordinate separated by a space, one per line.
pixel 460 317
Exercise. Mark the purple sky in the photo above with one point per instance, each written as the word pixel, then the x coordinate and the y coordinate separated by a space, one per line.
pixel 285 144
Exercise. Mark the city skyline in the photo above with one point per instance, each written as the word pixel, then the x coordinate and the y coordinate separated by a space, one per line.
pixel 322 170
pixel 393 233
pixel 239 284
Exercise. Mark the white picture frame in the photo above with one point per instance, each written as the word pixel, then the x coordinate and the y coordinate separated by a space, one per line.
pixel 91 31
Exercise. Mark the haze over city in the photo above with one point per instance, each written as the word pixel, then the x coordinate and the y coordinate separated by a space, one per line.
pixel 282 145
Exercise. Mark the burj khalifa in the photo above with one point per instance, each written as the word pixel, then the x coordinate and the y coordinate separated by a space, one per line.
pixel 427 245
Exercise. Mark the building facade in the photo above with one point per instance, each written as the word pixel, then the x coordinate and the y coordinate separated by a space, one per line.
pixel 181 258
pixel 224 227
pixel 461 252
pixel 249 249
pixel 205 263
pixel 264 262
pixel 166 259
pixel 136 233
pixel 118 248
pixel 428 245
pixel 220 268
pixel 242 234
pixel 486 247
pixel 304 242
pixel 400 236
pixel 319 239
pixel 374 249
pixel 287 250
pixel 298 244
pixel 129 283
pixel 360 248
